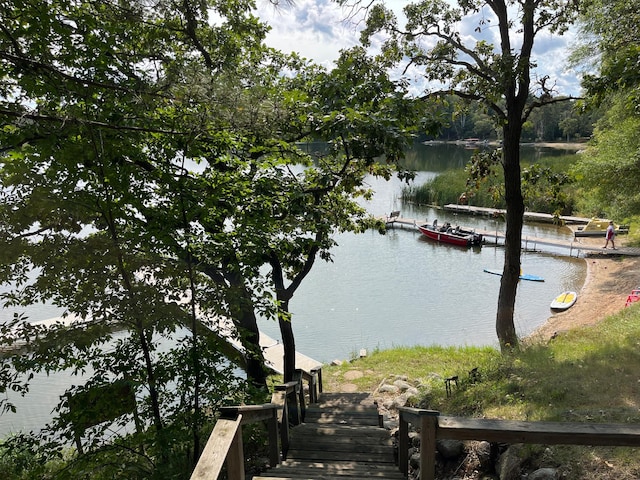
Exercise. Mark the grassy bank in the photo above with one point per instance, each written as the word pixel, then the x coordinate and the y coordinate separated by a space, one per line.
pixel 589 374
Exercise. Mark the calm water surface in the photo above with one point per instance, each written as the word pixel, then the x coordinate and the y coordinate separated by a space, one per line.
pixel 381 291
pixel 402 289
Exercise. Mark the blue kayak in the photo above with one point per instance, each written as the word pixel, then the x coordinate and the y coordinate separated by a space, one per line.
pixel 524 276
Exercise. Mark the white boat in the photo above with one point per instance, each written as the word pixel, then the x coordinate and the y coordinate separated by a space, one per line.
pixel 564 300
pixel 597 227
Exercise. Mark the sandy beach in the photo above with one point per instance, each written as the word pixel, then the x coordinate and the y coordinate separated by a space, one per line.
pixel 609 280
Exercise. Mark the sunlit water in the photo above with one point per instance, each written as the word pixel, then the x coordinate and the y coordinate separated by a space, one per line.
pixel 402 289
pixel 382 291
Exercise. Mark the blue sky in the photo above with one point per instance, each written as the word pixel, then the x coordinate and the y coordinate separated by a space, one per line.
pixel 316 29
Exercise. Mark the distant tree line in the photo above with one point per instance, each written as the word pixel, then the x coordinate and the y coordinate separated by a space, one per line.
pixel 553 122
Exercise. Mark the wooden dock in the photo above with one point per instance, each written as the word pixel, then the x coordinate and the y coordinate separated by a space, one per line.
pixel 528 216
pixel 575 247
pixel 273 350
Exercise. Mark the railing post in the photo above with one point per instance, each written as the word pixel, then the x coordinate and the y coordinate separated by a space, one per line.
pixel 280 398
pixel 235 458
pixel 428 428
pixel 272 429
pixel 302 407
pixel 318 372
pixel 292 393
pixel 313 386
pixel 403 445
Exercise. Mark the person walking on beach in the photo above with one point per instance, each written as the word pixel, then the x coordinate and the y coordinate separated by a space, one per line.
pixel 610 235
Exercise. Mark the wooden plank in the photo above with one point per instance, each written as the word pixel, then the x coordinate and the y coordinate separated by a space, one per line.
pixel 337 441
pixel 328 446
pixel 546 433
pixel 215 451
pixel 343 455
pixel 336 466
pixel 360 453
pixel 340 431
pixel 428 426
pixel 347 419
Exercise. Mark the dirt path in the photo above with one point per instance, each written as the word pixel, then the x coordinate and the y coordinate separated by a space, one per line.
pixel 609 280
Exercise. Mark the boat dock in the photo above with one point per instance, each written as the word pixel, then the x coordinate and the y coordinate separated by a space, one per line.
pixel 273 350
pixel 575 247
pixel 528 216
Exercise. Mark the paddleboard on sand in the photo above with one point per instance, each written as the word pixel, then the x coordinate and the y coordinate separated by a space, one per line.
pixel 564 300
pixel 523 276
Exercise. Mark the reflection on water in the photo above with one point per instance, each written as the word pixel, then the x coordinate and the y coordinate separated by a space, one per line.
pixel 403 289
pixel 399 289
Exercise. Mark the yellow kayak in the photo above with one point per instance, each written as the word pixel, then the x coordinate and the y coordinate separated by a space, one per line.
pixel 564 300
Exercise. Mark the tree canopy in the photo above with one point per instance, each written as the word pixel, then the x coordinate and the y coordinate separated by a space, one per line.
pixel 154 182
pixel 608 170
pixel 498 72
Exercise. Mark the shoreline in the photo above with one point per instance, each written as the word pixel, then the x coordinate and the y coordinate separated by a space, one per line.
pixel 608 282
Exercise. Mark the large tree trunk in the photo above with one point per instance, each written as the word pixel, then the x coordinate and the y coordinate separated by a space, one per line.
pixel 242 310
pixel 505 327
pixel 247 324
pixel 288 341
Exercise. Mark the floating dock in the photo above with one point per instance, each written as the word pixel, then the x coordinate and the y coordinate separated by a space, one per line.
pixel 575 247
pixel 273 350
pixel 528 216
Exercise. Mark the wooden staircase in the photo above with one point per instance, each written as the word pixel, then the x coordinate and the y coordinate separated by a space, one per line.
pixel 341 437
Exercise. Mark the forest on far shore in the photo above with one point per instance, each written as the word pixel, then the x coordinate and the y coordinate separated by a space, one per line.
pixel 560 121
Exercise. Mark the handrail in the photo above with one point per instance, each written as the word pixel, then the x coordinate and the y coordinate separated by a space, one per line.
pixel 287 408
pixel 225 444
pixel 433 426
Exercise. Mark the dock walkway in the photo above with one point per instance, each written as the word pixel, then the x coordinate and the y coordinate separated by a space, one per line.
pixel 528 216
pixel 273 350
pixel 575 247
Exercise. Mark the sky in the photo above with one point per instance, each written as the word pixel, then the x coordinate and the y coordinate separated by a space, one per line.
pixel 317 30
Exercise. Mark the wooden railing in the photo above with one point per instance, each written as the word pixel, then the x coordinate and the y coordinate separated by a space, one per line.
pixel 432 426
pixel 287 408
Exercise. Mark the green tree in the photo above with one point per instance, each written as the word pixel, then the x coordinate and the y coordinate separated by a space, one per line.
pixel 612 45
pixel 151 166
pixel 608 169
pixel 363 115
pixel 607 172
pixel 107 117
pixel 500 76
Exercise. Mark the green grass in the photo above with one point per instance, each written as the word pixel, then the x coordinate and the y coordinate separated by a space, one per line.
pixel 589 374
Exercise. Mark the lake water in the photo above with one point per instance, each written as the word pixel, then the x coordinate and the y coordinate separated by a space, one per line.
pixel 398 289
pixel 402 289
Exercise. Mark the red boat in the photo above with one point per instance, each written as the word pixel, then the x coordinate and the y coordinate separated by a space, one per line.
pixel 453 235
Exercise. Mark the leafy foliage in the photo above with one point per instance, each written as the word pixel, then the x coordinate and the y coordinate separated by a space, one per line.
pixel 607 172
pixel 611 28
pixel 499 76
pixel 155 181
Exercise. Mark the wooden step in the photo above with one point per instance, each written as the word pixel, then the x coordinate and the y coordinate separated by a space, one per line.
pixel 319 476
pixel 336 469
pixel 342 419
pixel 337 466
pixel 340 438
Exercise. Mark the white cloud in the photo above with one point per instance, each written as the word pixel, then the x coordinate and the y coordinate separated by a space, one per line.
pixel 318 30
